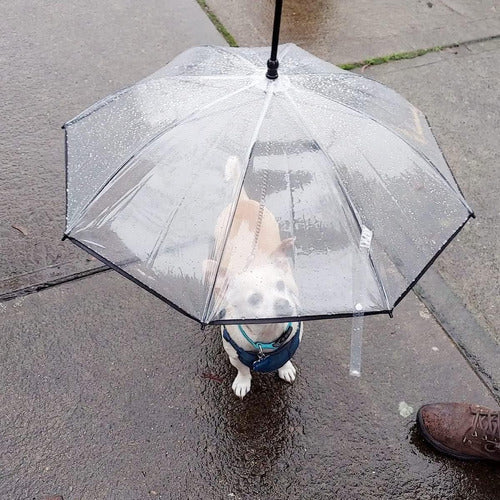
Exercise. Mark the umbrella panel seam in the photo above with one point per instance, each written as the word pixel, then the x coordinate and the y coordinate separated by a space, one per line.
pixel 231 217
pixel 431 261
pixel 78 216
pixel 399 136
pixel 357 217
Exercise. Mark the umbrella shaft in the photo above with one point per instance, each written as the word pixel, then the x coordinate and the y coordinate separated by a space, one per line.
pixel 272 63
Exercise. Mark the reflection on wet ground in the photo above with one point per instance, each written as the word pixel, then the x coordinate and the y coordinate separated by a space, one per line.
pixel 255 431
pixel 325 434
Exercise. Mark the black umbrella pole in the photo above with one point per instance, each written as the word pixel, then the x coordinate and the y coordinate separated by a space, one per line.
pixel 272 63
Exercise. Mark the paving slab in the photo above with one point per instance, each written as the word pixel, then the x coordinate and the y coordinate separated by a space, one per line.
pixel 58 59
pixel 360 29
pixel 109 393
pixel 458 91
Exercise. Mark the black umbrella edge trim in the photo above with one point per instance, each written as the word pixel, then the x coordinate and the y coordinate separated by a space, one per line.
pixel 429 264
pixel 267 320
pixel 219 321
pixel 287 319
pixel 66 178
pixel 130 277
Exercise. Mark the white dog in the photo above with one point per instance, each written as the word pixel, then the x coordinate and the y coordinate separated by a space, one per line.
pixel 255 280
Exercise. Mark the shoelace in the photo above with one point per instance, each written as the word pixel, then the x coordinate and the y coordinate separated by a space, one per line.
pixel 488 423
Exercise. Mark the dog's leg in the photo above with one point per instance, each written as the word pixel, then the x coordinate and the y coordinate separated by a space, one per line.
pixel 242 382
pixel 287 372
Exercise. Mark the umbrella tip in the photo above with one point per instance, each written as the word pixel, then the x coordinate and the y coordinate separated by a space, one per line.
pixel 272 69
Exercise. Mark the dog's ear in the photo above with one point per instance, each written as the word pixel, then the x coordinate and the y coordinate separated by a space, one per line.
pixel 283 250
pixel 284 247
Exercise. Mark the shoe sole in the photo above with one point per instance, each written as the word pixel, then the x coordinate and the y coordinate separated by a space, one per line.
pixel 438 445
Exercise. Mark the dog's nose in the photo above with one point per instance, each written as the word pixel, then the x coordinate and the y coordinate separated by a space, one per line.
pixel 282 307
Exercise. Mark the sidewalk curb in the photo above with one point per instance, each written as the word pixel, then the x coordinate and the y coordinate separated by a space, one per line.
pixel 479 348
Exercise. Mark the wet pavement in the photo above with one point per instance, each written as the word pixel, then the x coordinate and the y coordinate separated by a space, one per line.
pixel 343 32
pixel 108 393
pixel 59 60
pixel 457 88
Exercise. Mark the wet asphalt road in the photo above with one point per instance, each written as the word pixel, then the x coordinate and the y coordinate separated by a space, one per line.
pixel 59 59
pixel 108 394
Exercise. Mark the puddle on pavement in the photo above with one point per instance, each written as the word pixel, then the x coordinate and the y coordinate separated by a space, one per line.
pixel 300 20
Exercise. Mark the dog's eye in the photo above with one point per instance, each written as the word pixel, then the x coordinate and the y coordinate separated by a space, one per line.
pixel 280 285
pixel 255 299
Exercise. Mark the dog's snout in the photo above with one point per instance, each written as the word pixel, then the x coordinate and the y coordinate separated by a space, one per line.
pixel 283 307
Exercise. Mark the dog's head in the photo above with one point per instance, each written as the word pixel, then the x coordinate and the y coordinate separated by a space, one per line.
pixel 265 289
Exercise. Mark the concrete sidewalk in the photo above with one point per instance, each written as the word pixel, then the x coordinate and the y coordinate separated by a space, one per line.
pixel 343 32
pixel 109 394
pixel 457 88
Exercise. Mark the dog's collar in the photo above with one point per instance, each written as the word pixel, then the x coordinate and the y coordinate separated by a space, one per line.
pixel 260 346
pixel 268 361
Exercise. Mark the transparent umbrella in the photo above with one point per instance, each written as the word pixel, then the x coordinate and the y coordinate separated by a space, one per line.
pixel 359 194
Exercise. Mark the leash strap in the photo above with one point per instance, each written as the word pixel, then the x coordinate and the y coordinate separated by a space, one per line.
pixel 267 345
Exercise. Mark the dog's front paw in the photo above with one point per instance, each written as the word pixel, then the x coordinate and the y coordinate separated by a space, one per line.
pixel 287 372
pixel 241 385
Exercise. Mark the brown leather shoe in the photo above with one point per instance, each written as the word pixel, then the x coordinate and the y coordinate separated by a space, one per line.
pixel 462 430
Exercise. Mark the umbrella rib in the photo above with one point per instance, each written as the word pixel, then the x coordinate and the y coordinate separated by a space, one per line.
pixel 243 76
pixel 409 223
pixel 399 136
pixel 350 203
pixel 379 280
pixel 240 188
pixel 163 234
pixel 97 106
pixel 77 217
pixel 226 50
pixel 384 187
pixel 166 227
pixel 106 100
pixel 292 206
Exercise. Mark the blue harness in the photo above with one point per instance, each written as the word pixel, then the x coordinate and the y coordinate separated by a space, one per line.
pixel 261 361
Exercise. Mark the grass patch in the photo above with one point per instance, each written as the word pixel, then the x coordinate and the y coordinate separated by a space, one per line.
pixel 394 57
pixel 216 22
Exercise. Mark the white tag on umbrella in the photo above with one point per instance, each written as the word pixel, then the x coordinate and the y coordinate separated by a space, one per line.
pixel 366 238
pixel 359 285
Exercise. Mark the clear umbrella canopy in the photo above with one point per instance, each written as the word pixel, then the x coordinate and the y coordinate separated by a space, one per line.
pixel 207 180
